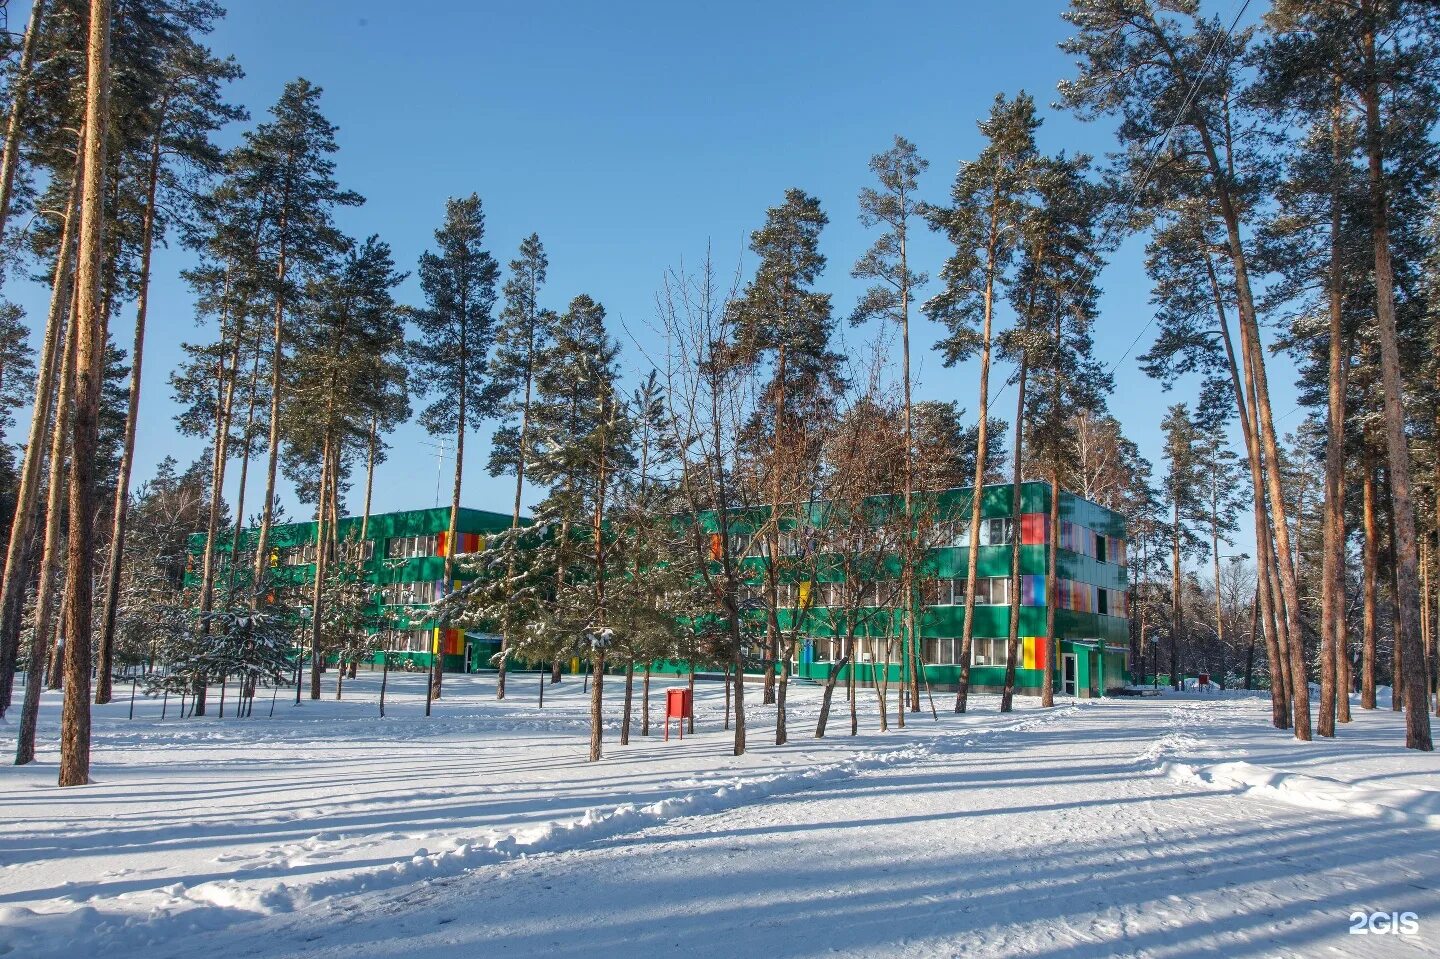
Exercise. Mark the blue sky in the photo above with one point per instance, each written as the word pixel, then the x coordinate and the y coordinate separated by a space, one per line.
pixel 630 135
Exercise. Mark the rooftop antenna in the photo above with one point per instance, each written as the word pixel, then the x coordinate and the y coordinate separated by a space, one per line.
pixel 441 449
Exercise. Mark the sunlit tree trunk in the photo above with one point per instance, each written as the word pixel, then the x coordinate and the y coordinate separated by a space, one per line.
pixel 1414 680
pixel 19 553
pixel 50 560
pixel 121 507
pixel 89 323
pixel 19 95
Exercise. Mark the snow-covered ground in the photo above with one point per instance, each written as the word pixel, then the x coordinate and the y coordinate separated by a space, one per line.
pixel 1171 826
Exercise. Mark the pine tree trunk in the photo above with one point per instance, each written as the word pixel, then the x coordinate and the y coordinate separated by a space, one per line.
pixel 50 559
pixel 1012 642
pixel 89 371
pixel 1271 619
pixel 127 457
pixel 224 406
pixel 523 451
pixel 317 587
pixel 1415 679
pixel 1371 574
pixel 739 680
pixel 277 363
pixel 831 679
pixel 629 699
pixel 19 553
pixel 437 666
pixel 1052 594
pixel 725 681
pixel 597 727
pixel 962 692
pixel 1254 360
pixel 243 479
pixel 57 657
pixel 19 94
pixel 1254 632
pixel 645 702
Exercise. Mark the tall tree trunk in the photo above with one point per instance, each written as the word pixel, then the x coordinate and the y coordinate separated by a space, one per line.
pixel 1332 589
pixel 962 693
pixel 19 94
pixel 89 371
pixel 523 450
pixel 50 558
pixel 437 665
pixel 127 457
pixel 1272 620
pixel 629 700
pixel 1254 633
pixel 1052 593
pixel 1371 574
pixel 277 363
pixel 907 572
pixel 1177 618
pixel 19 558
pixel 247 436
pixel 1414 680
pixel 1012 644
pixel 322 551
pixel 1254 361
pixel 224 400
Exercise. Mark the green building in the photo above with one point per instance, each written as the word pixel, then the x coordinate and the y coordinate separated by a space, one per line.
pixel 402 553
pixel 1088 654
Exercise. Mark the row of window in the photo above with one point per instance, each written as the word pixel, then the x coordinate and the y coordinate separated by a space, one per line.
pixel 410 594
pixel 995 531
pixel 936 651
pixel 989 591
pixel 409 547
pixel 408 640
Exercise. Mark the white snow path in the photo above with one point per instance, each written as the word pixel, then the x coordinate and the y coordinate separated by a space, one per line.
pixel 1055 834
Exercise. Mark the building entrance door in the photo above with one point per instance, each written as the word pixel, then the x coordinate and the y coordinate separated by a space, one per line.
pixel 1067 674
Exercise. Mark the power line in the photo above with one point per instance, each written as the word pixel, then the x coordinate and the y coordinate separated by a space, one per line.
pixel 1151 166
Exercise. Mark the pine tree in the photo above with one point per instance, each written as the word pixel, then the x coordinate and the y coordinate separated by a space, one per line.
pixel 1175 77
pixel 520 344
pixel 1222 501
pixel 1378 52
pixel 456 331
pixel 344 359
pixel 988 205
pixel 89 337
pixel 180 155
pixel 783 326
pixel 892 207
pixel 1055 297
pixel 1182 494
pixel 281 183
pixel 584 439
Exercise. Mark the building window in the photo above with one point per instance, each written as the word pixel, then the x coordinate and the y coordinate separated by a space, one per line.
pixel 991 591
pixel 989 652
pixel 941 651
pixel 410 547
pixel 996 532
pixel 352 551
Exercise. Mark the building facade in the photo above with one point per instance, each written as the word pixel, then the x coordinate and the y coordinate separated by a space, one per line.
pixel 403 555
pixel 1088 654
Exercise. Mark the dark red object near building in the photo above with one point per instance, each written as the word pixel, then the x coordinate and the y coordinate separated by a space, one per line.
pixel 680 705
